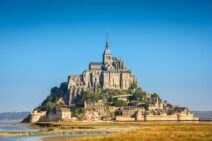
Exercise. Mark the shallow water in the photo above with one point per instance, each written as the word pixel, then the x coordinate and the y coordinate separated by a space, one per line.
pixel 15 127
pixel 48 137
pixel 30 138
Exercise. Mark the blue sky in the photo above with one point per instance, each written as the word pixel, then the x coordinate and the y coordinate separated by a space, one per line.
pixel 167 44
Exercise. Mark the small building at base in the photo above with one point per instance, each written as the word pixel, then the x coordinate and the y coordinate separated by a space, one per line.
pixel 61 114
pixel 35 116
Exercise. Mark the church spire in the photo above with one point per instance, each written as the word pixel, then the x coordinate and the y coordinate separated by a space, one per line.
pixel 107 50
pixel 107 56
pixel 107 42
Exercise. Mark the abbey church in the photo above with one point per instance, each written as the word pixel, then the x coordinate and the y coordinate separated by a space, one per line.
pixel 110 73
pixel 81 99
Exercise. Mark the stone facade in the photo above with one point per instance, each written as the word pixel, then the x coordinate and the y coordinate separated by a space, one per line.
pixel 61 114
pixel 95 110
pixel 111 73
pixel 122 118
pixel 35 116
pixel 139 114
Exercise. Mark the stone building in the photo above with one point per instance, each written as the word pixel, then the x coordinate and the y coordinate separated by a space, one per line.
pixel 127 114
pixel 111 73
pixel 158 105
pixel 35 116
pixel 95 110
pixel 61 114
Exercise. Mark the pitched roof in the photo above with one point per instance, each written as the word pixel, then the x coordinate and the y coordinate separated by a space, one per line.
pixel 95 63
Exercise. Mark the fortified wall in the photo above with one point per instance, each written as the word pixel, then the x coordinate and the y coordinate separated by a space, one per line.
pixel 62 114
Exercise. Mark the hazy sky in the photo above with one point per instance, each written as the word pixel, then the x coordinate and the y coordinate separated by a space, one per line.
pixel 167 44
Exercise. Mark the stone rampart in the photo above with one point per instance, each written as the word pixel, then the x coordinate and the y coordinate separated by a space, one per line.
pixel 121 118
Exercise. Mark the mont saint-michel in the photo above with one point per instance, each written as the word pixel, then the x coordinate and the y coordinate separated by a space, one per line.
pixel 106 91
pixel 62 78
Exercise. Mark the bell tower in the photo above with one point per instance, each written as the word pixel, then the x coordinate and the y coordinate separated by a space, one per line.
pixel 107 56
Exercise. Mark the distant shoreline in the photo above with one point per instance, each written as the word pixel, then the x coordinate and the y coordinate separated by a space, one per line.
pixel 10 121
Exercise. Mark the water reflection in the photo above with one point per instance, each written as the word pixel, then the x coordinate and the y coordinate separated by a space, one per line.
pixel 15 128
pixel 48 137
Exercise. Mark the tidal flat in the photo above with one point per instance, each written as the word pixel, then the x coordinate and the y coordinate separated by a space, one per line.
pixel 123 131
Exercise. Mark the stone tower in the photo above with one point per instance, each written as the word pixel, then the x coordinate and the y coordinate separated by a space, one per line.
pixel 107 56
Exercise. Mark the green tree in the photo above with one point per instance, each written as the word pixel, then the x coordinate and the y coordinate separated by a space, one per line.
pixel 144 105
pixel 120 103
pixel 149 101
pixel 132 88
pixel 95 97
pixel 110 99
pixel 134 103
pixel 134 85
pixel 79 113
pixel 155 95
pixel 139 90
pixel 144 96
pixel 50 107
pixel 135 96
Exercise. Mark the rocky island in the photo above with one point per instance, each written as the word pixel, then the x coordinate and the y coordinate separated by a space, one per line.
pixel 106 91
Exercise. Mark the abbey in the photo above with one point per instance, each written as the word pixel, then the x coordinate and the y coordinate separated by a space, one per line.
pixel 107 90
pixel 111 73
